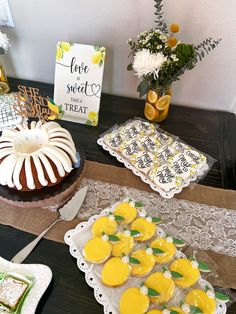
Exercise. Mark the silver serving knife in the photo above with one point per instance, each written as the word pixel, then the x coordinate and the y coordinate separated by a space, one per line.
pixel 67 213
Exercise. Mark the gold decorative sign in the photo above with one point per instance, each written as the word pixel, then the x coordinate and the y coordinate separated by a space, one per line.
pixel 30 104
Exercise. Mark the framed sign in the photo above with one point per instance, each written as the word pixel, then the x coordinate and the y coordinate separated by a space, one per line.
pixel 78 81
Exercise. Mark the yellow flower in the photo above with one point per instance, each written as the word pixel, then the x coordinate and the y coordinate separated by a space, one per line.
pixel 171 42
pixel 97 57
pixel 174 28
pixel 93 117
pixel 59 53
pixel 65 46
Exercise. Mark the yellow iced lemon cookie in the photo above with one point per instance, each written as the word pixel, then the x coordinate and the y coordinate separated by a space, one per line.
pixel 116 271
pixel 133 301
pixel 146 227
pixel 188 270
pixel 163 249
pixel 127 211
pixel 125 245
pixel 202 300
pixel 97 250
pixel 147 262
pixel 105 224
pixel 163 284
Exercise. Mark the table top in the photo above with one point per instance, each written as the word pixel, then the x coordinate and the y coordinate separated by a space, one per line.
pixel 213 132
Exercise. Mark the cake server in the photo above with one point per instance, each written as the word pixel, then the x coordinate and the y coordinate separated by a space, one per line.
pixel 67 213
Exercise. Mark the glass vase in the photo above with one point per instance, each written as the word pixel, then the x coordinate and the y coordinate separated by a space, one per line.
pixel 4 87
pixel 157 104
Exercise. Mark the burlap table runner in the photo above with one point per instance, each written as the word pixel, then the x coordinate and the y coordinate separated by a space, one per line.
pixel 35 220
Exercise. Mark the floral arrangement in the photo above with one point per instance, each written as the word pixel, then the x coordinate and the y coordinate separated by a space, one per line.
pixel 159 59
pixel 4 43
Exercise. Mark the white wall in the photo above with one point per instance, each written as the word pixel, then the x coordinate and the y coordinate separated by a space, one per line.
pixel 39 24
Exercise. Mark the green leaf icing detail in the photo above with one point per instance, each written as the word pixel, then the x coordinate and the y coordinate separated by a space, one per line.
pixel 221 296
pixel 174 312
pixel 157 251
pixel 203 266
pixel 156 219
pixel 207 288
pixel 164 268
pixel 113 238
pixel 139 204
pixel 178 242
pixel 119 218
pixel 176 275
pixel 153 293
pixel 135 233
pixel 134 260
pixel 195 310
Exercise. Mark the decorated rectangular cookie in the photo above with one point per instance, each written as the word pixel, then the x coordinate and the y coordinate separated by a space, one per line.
pixel 197 157
pixel 179 146
pixel 150 143
pixel 113 140
pixel 183 166
pixel 163 138
pixel 165 178
pixel 129 132
pixel 130 148
pixel 165 153
pixel 143 161
pixel 145 128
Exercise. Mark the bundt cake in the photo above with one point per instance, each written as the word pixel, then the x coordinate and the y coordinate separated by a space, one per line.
pixel 35 155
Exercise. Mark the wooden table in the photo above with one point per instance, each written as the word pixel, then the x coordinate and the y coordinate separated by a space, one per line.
pixel 213 132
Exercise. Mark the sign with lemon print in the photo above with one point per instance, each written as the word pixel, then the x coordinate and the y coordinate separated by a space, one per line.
pixel 78 82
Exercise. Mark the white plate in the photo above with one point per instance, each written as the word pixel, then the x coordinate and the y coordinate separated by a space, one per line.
pixel 109 297
pixel 42 275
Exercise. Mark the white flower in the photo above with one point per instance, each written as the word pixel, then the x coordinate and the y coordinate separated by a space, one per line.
pixel 148 219
pixel 4 42
pixel 186 308
pixel 127 233
pixel 126 200
pixel 125 259
pixel 105 237
pixel 169 239
pixel 210 294
pixel 167 274
pixel 144 290
pixel 149 251
pixel 159 46
pixel 111 217
pixel 165 311
pixel 194 264
pixel 162 37
pixel 148 63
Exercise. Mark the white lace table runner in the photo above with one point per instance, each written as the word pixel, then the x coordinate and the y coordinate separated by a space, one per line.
pixel 201 226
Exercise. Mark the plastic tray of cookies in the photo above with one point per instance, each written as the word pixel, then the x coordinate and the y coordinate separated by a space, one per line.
pixel 105 274
pixel 160 159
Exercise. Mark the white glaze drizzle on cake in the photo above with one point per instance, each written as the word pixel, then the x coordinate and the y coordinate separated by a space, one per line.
pixel 35 144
